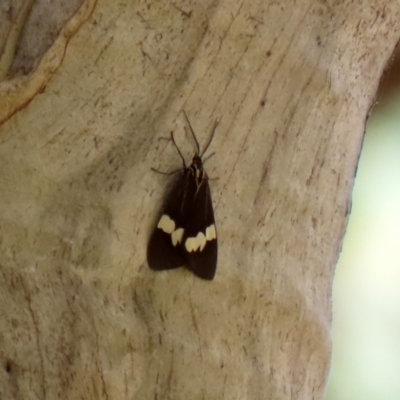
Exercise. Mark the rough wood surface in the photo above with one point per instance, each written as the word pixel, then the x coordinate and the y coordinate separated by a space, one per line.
pixel 81 314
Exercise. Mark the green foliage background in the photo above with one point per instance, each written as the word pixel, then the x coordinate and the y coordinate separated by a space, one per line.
pixel 366 293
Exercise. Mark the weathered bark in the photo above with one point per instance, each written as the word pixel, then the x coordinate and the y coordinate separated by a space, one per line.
pixel 82 315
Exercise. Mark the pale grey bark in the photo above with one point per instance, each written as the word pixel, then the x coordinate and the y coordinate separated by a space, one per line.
pixel 81 314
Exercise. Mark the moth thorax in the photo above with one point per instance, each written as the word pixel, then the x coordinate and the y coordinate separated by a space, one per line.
pixel 197 172
pixel 197 168
pixel 196 161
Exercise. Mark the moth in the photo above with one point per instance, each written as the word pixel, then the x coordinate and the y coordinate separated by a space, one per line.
pixel 186 232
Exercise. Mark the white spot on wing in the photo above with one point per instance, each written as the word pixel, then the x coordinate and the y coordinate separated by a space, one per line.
pixel 166 224
pixel 177 236
pixel 199 242
pixel 211 233
pixel 196 243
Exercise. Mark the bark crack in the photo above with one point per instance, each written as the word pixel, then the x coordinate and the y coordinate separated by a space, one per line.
pixel 37 331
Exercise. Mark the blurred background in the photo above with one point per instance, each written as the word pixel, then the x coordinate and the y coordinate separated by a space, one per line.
pixel 366 291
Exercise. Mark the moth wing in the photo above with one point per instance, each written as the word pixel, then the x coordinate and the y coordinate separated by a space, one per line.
pixel 164 249
pixel 200 240
pixel 161 254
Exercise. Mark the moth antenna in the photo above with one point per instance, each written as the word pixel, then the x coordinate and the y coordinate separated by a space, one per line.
pixel 193 134
pixel 177 148
pixel 210 140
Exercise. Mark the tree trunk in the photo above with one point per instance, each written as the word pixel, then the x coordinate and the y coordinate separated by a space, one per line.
pixel 84 105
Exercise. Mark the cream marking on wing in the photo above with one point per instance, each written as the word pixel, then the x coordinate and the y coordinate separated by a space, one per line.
pixel 177 236
pixel 166 224
pixel 211 233
pixel 196 243
pixel 199 242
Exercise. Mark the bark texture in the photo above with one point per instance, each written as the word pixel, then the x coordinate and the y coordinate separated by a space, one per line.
pixel 81 314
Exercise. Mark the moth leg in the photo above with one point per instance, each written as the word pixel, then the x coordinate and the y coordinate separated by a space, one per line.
pixel 208 157
pixel 165 173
